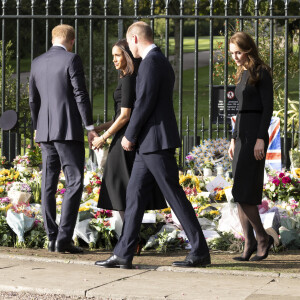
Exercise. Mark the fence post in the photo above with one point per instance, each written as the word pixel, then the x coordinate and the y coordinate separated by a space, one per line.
pixel 196 75
pixel 211 61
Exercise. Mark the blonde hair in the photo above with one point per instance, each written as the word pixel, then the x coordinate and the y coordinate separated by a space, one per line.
pixel 142 30
pixel 254 63
pixel 63 31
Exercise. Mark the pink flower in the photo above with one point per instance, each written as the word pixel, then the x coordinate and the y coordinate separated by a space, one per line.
pixel 276 181
pixel 281 175
pixel 62 191
pixel 286 179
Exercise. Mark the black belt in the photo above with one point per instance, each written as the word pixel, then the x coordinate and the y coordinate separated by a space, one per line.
pixel 249 111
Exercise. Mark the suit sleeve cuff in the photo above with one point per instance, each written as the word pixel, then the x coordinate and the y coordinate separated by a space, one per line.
pixel 90 127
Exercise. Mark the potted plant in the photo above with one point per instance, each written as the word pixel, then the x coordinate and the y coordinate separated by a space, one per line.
pixel 207 167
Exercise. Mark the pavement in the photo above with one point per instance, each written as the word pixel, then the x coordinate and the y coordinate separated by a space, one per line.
pixel 82 279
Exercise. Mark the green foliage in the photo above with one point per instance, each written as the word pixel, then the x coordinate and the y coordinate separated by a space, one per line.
pixel 10 86
pixel 169 242
pixel 36 237
pixel 7 237
pixel 226 242
pixel 107 238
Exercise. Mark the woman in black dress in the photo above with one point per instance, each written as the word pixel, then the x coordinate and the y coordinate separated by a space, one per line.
pixel 119 162
pixel 254 91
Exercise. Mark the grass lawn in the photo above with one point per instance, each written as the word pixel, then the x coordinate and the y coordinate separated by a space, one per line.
pixel 189 43
pixel 188 46
pixel 25 64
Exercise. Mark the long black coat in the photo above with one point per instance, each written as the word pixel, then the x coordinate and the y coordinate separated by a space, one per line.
pixel 252 123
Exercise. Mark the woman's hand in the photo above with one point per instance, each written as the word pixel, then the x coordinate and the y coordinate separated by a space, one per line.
pixel 98 142
pixel 259 149
pixel 231 148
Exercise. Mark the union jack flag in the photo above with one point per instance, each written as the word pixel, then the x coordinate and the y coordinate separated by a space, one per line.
pixel 273 157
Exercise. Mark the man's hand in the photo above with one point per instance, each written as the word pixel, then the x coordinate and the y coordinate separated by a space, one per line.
pixel 91 135
pixel 127 146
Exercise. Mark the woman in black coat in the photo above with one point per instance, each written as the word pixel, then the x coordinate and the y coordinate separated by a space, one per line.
pixel 254 91
pixel 119 162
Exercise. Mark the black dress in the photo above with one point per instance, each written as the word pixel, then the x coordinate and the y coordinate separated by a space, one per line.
pixel 119 162
pixel 252 123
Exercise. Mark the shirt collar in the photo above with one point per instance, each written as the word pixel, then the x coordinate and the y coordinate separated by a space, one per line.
pixel 147 50
pixel 60 45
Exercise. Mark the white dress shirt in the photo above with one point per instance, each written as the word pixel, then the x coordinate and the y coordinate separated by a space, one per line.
pixel 147 50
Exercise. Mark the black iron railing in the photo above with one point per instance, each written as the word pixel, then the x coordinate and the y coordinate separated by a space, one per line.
pixel 105 15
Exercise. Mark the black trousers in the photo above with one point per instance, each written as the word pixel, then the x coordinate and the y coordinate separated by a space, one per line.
pixel 161 167
pixel 68 156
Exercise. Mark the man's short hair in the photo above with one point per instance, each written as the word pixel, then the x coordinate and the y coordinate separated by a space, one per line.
pixel 142 30
pixel 63 31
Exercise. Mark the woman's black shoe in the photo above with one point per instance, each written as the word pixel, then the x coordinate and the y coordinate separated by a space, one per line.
pixel 247 257
pixel 257 257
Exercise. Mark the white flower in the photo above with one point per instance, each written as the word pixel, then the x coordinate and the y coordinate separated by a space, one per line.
pixel 96 190
pixel 84 195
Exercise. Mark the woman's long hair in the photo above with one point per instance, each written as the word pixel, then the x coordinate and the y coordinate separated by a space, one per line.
pixel 132 64
pixel 254 63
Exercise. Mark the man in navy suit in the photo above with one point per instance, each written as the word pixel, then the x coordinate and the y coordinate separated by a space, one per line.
pixel 153 131
pixel 59 103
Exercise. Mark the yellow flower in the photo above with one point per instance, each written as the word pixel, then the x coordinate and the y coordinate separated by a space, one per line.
pixel 84 208
pixel 166 210
pixel 60 186
pixel 96 198
pixel 1 190
pixel 17 174
pixel 214 212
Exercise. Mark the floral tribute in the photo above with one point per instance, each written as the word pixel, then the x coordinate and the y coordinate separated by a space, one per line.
pixel 282 186
pixel 210 154
pixel 96 228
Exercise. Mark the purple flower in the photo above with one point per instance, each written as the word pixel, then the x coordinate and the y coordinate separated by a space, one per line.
pixel 286 179
pixel 189 157
pixel 4 200
pixel 281 175
pixel 62 191
pixel 276 181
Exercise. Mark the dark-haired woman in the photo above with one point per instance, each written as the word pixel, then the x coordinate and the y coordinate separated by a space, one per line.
pixel 119 162
pixel 254 91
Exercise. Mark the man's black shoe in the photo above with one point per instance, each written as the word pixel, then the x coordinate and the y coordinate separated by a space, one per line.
pixel 115 262
pixel 69 247
pixel 51 246
pixel 193 261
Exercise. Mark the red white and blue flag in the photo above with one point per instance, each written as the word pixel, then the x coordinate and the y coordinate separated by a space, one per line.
pixel 273 157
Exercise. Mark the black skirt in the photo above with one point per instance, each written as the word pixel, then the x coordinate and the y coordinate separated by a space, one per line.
pixel 116 177
pixel 248 173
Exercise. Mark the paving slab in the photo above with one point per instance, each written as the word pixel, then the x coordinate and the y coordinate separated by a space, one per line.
pixel 175 285
pixel 55 278
pixel 282 287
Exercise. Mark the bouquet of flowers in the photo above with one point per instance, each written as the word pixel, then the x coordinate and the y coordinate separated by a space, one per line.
pixel 190 184
pixel 8 176
pixel 32 158
pixel 19 192
pixel 282 186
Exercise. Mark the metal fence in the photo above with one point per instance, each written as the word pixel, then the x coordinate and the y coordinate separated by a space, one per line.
pixel 30 18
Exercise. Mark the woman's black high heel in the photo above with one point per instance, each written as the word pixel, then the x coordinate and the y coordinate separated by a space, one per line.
pixel 257 257
pixel 247 257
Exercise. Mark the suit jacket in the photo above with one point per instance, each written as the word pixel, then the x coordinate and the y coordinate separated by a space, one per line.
pixel 58 99
pixel 153 125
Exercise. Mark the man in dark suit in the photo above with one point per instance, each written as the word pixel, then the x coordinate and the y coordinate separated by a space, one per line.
pixel 153 130
pixel 59 103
